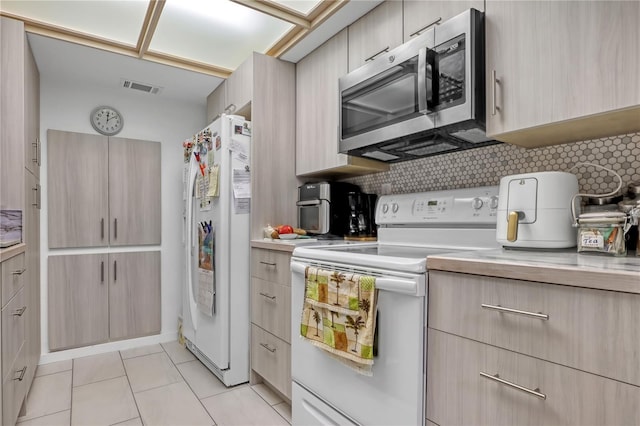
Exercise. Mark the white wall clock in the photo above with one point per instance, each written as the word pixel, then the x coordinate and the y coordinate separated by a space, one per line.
pixel 106 120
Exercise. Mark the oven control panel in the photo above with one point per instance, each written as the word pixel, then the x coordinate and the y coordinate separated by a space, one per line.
pixel 457 206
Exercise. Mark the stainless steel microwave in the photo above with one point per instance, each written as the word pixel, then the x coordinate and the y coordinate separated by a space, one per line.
pixel 422 98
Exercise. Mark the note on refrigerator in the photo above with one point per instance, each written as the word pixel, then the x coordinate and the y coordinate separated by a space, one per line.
pixel 214 177
pixel 241 183
pixel 242 205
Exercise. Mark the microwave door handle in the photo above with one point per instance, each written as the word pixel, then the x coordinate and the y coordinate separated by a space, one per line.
pixel 309 203
pixel 427 88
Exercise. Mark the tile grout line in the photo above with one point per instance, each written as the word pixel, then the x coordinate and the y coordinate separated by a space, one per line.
pixel 98 381
pixel 271 406
pixel 135 401
pixel 189 386
pixel 45 415
pixel 128 420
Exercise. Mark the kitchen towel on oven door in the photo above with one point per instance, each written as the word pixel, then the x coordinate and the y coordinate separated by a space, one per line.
pixel 339 316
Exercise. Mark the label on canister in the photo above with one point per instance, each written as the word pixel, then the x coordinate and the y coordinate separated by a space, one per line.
pixel 592 239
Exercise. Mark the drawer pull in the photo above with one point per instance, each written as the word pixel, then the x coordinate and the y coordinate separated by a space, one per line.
pixel 268 263
pixel 499 308
pixel 19 312
pixel 496 378
pixel 267 347
pixel 268 296
pixel 19 272
pixel 22 371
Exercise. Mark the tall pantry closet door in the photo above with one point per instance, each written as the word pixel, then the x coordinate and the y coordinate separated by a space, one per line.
pixel 134 294
pixel 31 236
pixel 134 192
pixel 77 188
pixel 78 300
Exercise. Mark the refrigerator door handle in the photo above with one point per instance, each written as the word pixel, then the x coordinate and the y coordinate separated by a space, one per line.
pixel 188 246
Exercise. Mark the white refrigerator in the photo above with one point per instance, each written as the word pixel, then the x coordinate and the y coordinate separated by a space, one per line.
pixel 215 296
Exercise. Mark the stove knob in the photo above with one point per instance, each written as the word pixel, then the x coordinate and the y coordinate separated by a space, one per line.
pixel 395 208
pixel 385 208
pixel 493 202
pixel 477 203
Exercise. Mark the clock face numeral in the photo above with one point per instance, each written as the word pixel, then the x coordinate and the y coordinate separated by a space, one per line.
pixel 106 121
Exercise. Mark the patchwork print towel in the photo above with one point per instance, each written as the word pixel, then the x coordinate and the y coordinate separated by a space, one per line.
pixel 339 316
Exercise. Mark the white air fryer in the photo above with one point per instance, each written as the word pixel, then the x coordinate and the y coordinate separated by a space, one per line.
pixel 534 210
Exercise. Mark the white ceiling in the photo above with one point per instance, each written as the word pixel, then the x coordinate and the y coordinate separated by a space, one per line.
pixel 77 64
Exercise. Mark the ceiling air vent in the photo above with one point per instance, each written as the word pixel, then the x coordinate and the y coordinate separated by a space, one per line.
pixel 143 87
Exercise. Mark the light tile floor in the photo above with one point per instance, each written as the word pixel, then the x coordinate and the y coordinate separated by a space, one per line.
pixel 152 385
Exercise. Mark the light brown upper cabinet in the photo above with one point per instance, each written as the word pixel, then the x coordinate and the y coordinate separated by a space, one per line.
pixel 102 191
pixel 375 33
pixel 317 109
pixel 12 114
pixel 32 144
pixel 240 86
pixel 420 15
pixel 562 71
pixel 134 192
pixel 78 185
pixel 216 102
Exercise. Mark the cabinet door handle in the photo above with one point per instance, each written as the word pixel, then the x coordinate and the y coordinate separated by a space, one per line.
pixel 34 158
pixel 36 196
pixel 494 83
pixel 19 312
pixel 115 270
pixel 102 271
pixel 102 228
pixel 496 378
pixel 267 296
pixel 538 315
pixel 19 272
pixel 268 263
pixel 372 57
pixel 115 228
pixel 267 347
pixel 22 371
pixel 437 21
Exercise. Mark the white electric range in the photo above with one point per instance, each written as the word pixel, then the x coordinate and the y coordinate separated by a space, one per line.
pixel 411 227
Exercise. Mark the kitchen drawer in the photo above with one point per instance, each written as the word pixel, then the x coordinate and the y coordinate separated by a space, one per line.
pixel 458 395
pixel 271 307
pixel 271 358
pixel 271 265
pixel 13 270
pixel 14 388
pixel 593 330
pixel 13 323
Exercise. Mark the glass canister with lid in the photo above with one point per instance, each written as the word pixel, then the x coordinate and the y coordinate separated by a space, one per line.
pixel 603 232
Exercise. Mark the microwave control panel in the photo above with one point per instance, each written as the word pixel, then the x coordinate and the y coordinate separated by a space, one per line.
pixel 469 205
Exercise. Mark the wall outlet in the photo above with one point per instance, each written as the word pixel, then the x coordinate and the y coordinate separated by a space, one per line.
pixel 385 189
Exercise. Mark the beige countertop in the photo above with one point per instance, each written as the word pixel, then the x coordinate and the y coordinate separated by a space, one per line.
pixel 9 252
pixel 565 267
pixel 281 245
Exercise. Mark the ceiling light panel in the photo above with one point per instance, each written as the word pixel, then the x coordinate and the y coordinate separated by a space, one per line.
pixel 119 21
pixel 216 32
pixel 302 6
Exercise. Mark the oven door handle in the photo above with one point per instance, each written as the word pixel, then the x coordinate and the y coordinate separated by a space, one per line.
pixel 393 284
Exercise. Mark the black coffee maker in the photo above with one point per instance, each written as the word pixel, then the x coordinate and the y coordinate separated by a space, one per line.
pixel 362 208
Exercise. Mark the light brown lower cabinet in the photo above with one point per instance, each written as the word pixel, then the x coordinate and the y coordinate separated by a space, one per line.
pixel 271 319
pixel 95 298
pixel 518 389
pixel 271 358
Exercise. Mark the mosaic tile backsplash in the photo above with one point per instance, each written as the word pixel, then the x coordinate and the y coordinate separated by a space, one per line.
pixel 485 166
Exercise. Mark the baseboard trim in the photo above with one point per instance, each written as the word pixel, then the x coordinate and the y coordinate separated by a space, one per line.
pixel 120 345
